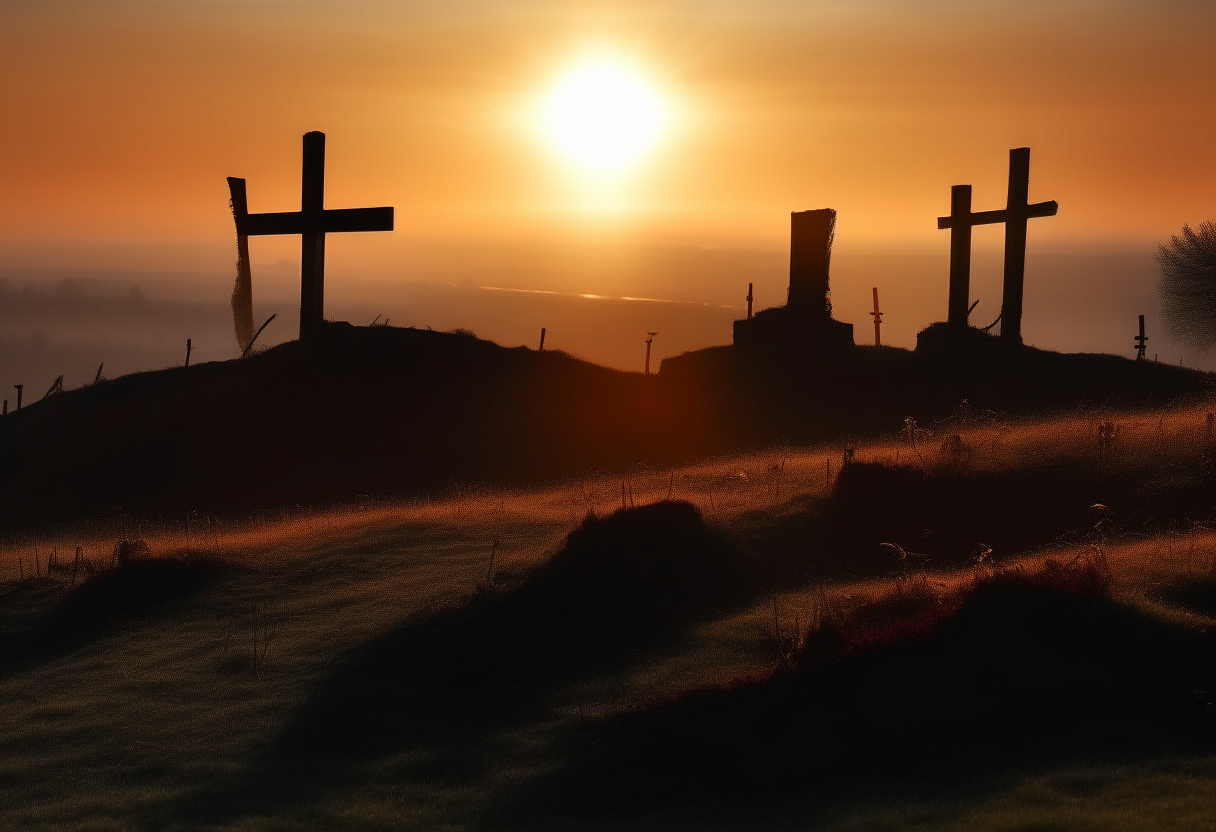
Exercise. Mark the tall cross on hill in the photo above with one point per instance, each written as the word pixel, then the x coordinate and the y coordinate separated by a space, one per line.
pixel 1015 215
pixel 312 222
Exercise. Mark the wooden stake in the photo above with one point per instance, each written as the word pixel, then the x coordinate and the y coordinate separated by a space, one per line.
pixel 187 352
pixel 877 320
pixel 749 301
pixel 649 340
pixel 541 348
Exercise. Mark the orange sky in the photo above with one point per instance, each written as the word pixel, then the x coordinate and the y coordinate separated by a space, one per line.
pixel 123 118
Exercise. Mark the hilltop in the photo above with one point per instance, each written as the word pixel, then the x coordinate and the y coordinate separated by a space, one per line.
pixel 384 410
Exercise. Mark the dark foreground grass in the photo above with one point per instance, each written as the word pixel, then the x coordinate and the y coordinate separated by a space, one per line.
pixel 48 618
pixel 1016 669
pixel 436 695
pixel 948 515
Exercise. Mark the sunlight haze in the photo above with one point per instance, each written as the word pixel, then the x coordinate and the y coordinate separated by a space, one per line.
pixel 123 120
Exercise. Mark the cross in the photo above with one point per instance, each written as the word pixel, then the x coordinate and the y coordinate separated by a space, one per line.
pixel 1017 211
pixel 1143 339
pixel 312 222
pixel 749 300
pixel 960 222
pixel 877 320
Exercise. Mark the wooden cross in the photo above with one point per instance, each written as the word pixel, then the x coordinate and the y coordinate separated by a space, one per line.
pixel 877 320
pixel 749 300
pixel 960 222
pixel 1015 215
pixel 312 222
pixel 1143 339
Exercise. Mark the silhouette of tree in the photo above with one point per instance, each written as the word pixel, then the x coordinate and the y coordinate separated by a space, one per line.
pixel 1188 285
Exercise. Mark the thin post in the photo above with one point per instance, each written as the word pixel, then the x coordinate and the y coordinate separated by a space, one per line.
pixel 242 289
pixel 649 340
pixel 960 255
pixel 20 387
pixel 312 245
pixel 97 378
pixel 5 407
pixel 749 301
pixel 541 348
pixel 188 352
pixel 1141 347
pixel 877 320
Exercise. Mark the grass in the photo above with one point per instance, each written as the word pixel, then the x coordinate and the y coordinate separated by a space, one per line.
pixel 722 645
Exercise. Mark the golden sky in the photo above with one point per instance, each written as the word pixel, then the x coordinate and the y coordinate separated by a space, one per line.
pixel 122 118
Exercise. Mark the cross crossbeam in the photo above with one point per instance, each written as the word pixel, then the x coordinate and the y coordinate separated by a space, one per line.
pixel 312 222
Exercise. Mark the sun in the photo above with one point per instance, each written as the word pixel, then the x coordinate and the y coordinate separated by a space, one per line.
pixel 603 118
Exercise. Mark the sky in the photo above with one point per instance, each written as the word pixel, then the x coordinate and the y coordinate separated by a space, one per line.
pixel 123 118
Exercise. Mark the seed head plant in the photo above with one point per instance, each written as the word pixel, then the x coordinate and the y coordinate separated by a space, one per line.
pixel 1188 285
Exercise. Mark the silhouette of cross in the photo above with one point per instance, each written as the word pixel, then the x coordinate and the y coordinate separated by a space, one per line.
pixel 1015 215
pixel 960 222
pixel 1143 339
pixel 312 222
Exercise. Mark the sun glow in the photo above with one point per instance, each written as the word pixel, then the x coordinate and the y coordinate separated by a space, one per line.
pixel 603 118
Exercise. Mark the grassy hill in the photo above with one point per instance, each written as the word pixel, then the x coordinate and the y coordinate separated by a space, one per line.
pixel 1015 631
pixel 388 411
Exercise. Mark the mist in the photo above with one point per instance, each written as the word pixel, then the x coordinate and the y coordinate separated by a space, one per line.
pixel 72 321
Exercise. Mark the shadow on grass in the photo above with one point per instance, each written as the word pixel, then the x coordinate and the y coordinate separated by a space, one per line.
pixel 1194 592
pixel 47 620
pixel 949 515
pixel 431 699
pixel 1015 669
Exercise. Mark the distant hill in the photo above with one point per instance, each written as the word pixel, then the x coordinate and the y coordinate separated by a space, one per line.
pixel 384 410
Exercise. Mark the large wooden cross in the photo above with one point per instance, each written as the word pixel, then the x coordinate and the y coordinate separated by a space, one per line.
pixel 1015 215
pixel 312 222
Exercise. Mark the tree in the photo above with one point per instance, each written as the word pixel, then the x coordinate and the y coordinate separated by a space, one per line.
pixel 1188 285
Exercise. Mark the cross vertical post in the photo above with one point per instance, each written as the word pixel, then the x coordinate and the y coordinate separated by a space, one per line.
pixel 877 320
pixel 1017 211
pixel 1143 339
pixel 749 300
pixel 312 240
pixel 648 342
pixel 960 255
